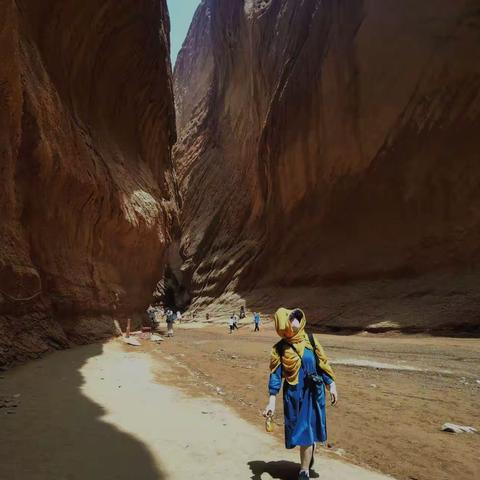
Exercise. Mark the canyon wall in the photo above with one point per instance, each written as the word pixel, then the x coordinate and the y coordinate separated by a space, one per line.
pixel 87 197
pixel 328 156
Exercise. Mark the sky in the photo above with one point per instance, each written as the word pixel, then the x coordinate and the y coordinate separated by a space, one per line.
pixel 181 14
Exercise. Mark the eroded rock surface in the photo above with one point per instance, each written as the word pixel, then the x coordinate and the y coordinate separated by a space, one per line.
pixel 87 195
pixel 330 150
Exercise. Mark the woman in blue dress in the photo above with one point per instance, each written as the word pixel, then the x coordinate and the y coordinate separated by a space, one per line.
pixel 300 361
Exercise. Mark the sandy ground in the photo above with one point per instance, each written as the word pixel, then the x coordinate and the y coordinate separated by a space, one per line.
pixel 105 412
pixel 396 392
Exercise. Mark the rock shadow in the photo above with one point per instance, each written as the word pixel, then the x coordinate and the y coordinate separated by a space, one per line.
pixel 56 432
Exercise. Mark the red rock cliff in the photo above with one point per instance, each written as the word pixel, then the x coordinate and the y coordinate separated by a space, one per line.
pixel 87 194
pixel 332 146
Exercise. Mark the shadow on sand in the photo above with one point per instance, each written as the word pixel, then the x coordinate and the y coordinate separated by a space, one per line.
pixel 281 470
pixel 57 433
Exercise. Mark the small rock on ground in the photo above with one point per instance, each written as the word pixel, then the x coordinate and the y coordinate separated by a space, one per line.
pixel 453 428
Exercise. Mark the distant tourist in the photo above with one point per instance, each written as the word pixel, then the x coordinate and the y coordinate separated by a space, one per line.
pixel 235 321
pixel 179 316
pixel 299 360
pixel 116 301
pixel 242 312
pixel 152 315
pixel 170 317
pixel 231 323
pixel 256 321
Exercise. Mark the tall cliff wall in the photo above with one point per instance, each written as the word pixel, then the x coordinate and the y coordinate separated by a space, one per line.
pixel 87 196
pixel 328 155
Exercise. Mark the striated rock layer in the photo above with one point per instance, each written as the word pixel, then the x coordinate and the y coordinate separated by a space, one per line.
pixel 328 155
pixel 87 195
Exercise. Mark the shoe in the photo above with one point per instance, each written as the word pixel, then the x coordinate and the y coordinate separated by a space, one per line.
pixel 303 476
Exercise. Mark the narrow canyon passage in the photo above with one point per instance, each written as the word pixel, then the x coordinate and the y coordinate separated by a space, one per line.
pixel 313 154
pixel 299 153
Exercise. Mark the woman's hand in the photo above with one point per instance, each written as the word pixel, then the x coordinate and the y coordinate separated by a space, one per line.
pixel 270 408
pixel 332 388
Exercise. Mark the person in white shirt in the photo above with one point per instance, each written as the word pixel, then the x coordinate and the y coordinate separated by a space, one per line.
pixel 235 321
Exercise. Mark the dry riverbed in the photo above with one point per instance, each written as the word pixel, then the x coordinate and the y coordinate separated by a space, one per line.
pixel 190 407
pixel 396 392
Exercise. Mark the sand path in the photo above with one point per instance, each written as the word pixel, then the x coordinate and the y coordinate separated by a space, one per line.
pixel 100 413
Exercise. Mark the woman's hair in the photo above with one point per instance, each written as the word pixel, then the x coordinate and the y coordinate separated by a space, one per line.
pixel 297 313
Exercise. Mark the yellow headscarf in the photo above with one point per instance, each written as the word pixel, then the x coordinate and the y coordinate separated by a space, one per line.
pixel 291 362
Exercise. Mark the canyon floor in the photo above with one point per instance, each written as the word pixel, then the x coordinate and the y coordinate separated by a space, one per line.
pixel 190 407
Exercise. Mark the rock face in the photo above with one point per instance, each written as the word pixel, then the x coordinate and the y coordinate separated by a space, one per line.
pixel 87 196
pixel 328 155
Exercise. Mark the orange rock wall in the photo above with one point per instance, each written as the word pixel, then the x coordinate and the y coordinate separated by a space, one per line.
pixel 329 143
pixel 88 196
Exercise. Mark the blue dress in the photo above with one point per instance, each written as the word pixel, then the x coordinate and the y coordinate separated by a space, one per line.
pixel 303 405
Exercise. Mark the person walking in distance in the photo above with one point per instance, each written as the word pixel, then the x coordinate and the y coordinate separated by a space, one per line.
pixel 152 316
pixel 256 321
pixel 170 317
pixel 235 321
pixel 299 361
pixel 231 323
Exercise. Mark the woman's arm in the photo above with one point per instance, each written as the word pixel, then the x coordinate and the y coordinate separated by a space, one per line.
pixel 326 371
pixel 327 379
pixel 270 408
pixel 274 385
pixel 331 387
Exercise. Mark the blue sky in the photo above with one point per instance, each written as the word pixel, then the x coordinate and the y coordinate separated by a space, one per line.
pixel 181 14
